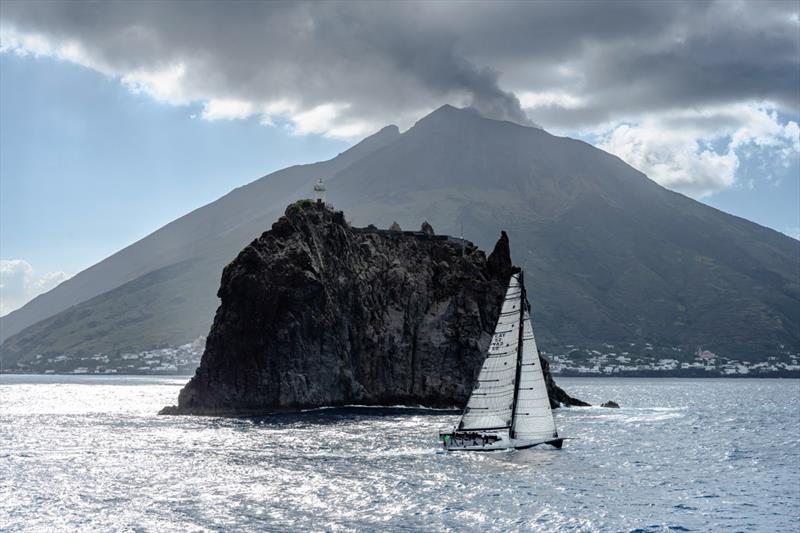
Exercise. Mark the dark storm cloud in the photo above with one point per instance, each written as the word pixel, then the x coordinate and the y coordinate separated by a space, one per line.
pixel 387 62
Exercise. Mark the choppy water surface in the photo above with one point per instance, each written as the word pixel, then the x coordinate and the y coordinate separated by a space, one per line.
pixel 89 453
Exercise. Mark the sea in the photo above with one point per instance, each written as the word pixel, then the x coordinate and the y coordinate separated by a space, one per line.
pixel 90 453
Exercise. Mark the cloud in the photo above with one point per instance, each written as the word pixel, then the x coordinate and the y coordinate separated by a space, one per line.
pixel 19 283
pixel 321 58
pixel 563 100
pixel 344 69
pixel 226 108
pixel 697 152
pixel 610 57
pixel 673 159
pixel 162 83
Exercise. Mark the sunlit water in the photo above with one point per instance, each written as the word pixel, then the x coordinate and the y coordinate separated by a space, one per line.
pixel 89 453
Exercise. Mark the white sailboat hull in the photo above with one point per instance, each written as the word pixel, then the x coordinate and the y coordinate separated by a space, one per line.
pixel 487 441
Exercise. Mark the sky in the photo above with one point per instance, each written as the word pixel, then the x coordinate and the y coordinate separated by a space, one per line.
pixel 116 118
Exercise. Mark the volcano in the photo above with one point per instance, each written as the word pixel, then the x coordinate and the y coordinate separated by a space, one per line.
pixel 610 256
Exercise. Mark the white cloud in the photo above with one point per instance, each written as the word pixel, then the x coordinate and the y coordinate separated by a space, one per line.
pixel 763 129
pixel 352 129
pixel 227 109
pixel 677 149
pixel 165 84
pixel 534 100
pixel 23 44
pixel 672 159
pixel 318 119
pixel 277 108
pixel 19 283
pixel 326 119
pixel 33 44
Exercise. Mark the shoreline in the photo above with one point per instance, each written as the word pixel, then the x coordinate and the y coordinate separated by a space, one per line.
pixel 689 374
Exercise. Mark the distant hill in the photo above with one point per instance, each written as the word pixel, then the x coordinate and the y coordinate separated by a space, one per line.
pixel 612 258
pixel 210 235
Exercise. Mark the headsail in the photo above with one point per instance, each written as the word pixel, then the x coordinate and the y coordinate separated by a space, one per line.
pixel 533 418
pixel 489 406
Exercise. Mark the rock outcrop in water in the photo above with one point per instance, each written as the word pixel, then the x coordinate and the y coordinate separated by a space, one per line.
pixel 316 312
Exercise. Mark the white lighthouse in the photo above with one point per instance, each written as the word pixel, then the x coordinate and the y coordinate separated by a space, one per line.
pixel 319 191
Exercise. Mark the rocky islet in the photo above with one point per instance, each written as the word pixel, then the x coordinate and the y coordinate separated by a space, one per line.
pixel 315 312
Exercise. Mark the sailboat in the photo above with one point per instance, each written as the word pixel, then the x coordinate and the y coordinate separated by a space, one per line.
pixel 509 407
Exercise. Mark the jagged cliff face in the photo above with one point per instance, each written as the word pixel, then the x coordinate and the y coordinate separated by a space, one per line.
pixel 315 312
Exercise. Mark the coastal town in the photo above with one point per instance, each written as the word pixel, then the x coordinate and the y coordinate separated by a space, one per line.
pixel 182 359
pixel 647 360
pixel 607 360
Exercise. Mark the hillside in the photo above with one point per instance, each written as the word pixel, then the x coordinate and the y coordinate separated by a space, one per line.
pixel 612 257
pixel 213 233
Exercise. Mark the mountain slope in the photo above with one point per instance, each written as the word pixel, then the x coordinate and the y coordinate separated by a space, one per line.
pixel 216 231
pixel 614 256
pixel 611 257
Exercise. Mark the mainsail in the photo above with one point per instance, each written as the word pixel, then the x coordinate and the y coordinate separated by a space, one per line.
pixel 490 405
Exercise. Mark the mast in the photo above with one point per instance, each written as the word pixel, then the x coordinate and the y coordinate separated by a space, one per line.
pixel 533 418
pixel 523 299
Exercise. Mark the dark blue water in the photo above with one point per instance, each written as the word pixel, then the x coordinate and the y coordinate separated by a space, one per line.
pixel 89 453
